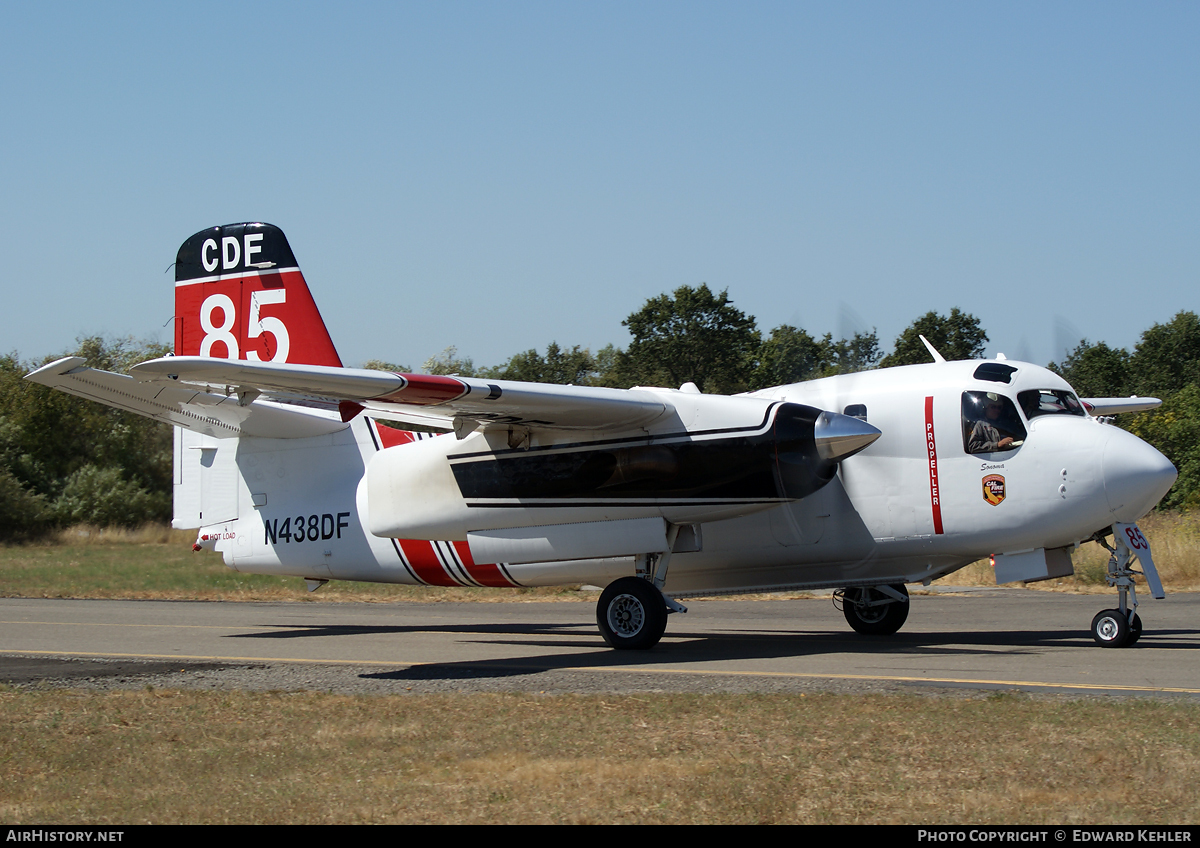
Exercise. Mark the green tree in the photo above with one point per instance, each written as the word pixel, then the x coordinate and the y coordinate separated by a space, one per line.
pixel 1096 370
pixel 1166 364
pixel 576 367
pixel 118 355
pixel 382 365
pixel 846 356
pixel 447 363
pixel 1168 357
pixel 23 514
pixel 47 437
pixel 787 356
pixel 104 498
pixel 957 337
pixel 691 336
pixel 607 360
pixel 1174 429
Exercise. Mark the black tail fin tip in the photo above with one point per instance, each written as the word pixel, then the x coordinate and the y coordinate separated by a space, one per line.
pixel 233 248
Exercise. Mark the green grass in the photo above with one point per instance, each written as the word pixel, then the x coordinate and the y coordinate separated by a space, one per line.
pixel 118 567
pixel 158 563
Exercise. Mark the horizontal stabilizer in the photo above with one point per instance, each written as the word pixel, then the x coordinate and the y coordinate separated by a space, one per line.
pixel 220 416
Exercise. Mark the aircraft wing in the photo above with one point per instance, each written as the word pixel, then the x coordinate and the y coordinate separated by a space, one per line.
pixel 1112 406
pixel 217 415
pixel 459 403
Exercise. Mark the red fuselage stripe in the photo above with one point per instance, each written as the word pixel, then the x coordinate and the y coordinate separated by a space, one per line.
pixel 424 561
pixel 935 495
pixel 484 573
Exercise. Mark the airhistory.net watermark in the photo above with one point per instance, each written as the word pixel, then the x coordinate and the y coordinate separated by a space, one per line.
pixel 45 834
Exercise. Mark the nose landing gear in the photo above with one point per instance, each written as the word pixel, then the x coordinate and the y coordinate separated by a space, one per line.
pixel 1115 629
pixel 1122 627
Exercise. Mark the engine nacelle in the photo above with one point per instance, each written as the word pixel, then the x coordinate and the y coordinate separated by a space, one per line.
pixel 445 489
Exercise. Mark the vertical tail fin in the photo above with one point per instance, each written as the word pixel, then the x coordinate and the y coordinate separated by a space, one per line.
pixel 239 294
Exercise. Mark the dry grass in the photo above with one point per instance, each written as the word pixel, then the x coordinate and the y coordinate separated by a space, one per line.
pixel 148 534
pixel 208 757
pixel 304 757
pixel 1174 540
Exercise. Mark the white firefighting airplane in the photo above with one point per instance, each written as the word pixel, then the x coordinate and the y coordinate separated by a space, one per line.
pixel 862 482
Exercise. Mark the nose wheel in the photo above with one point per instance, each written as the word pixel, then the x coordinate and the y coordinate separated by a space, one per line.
pixel 877 610
pixel 1122 627
pixel 1115 629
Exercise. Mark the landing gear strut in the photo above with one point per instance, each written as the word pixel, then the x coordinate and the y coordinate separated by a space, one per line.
pixel 1121 627
pixel 632 611
pixel 876 610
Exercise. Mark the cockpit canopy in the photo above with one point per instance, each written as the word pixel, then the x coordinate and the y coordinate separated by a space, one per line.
pixel 991 422
pixel 1035 402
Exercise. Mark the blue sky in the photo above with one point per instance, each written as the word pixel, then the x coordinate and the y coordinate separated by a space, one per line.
pixel 496 176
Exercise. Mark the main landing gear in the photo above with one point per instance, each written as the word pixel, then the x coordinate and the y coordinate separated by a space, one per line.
pixel 1122 627
pixel 875 610
pixel 632 614
pixel 632 611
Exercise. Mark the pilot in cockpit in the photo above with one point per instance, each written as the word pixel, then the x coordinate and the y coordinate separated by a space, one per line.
pixel 988 434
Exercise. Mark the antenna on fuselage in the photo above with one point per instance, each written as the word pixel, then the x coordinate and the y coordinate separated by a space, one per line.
pixel 937 357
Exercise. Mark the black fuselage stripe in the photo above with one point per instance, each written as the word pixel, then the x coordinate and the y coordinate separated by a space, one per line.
pixel 625 440
pixel 621 504
pixel 504 570
pixel 371 429
pixel 451 563
pixel 404 562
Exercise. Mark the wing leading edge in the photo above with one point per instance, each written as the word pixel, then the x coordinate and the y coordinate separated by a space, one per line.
pixel 458 403
pixel 218 415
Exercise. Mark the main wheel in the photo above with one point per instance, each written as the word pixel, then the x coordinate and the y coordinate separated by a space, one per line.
pixel 882 620
pixel 1110 628
pixel 632 614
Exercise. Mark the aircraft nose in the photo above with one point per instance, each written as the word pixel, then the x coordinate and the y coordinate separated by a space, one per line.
pixel 1136 476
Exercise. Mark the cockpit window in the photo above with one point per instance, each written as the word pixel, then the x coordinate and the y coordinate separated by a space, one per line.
pixel 990 423
pixel 1037 402
pixel 996 372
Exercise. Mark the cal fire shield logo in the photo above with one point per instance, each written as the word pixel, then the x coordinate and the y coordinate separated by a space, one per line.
pixel 993 488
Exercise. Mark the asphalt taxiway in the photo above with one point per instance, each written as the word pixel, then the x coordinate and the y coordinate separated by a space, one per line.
pixel 995 639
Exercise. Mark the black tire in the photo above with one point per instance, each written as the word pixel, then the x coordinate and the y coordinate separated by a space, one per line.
pixel 1110 629
pixel 883 620
pixel 632 614
pixel 1135 629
